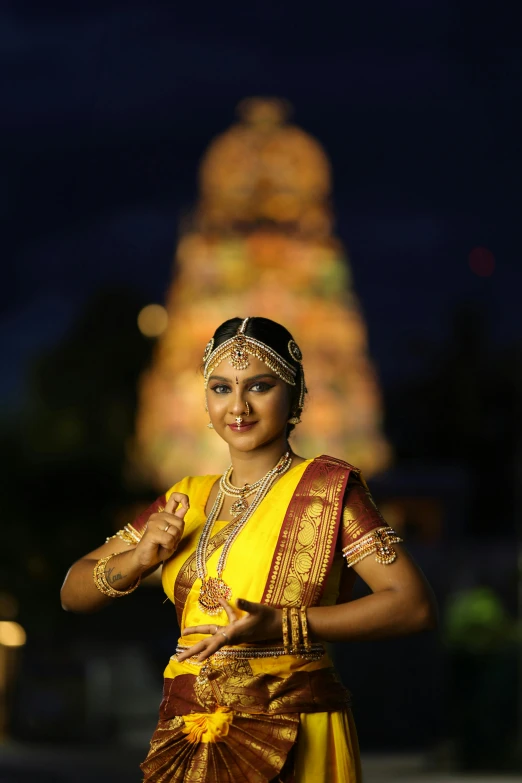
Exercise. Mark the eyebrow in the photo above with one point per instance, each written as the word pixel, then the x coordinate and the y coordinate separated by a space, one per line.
pixel 246 380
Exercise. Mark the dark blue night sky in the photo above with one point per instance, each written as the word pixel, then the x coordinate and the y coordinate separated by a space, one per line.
pixel 108 107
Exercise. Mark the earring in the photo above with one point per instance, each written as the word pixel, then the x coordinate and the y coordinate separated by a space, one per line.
pixel 294 420
pixel 210 425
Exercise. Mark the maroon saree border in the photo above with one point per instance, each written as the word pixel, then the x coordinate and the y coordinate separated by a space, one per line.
pixel 306 546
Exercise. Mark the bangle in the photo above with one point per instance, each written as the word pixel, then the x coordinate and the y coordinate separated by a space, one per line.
pixel 304 628
pixel 129 535
pixel 286 636
pixel 100 580
pixel 294 626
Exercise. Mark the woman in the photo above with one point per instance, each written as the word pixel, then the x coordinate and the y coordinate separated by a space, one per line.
pixel 253 561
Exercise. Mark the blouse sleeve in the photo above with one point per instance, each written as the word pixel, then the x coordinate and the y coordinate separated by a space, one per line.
pixel 132 532
pixel 364 529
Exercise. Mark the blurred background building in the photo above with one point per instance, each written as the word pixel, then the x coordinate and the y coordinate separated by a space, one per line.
pixel 261 242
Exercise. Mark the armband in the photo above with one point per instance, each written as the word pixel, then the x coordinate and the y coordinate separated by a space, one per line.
pixel 378 542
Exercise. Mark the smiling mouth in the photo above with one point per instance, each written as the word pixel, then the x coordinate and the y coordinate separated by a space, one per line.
pixel 242 427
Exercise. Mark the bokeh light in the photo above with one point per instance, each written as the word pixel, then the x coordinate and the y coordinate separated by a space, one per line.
pixel 153 320
pixel 11 634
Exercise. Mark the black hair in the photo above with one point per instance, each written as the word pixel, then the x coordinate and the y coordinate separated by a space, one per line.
pixel 276 337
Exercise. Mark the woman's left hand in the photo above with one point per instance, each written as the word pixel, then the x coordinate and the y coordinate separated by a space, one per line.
pixel 261 622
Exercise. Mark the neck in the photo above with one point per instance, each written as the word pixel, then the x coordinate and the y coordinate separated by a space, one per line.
pixel 249 466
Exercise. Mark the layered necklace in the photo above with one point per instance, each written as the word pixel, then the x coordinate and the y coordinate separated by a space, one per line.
pixel 214 588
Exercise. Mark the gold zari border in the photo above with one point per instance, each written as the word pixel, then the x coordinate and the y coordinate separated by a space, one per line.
pixel 306 544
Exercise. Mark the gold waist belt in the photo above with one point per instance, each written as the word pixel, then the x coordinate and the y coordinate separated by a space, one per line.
pixel 314 653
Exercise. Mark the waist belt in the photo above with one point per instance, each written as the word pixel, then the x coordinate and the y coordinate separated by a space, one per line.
pixel 314 653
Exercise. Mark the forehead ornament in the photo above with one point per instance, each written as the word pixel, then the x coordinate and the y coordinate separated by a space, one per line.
pixel 208 349
pixel 238 349
pixel 295 351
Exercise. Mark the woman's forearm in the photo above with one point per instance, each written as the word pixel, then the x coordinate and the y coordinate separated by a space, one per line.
pixel 79 592
pixel 382 614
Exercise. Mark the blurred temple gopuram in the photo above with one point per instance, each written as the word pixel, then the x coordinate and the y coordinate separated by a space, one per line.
pixel 260 242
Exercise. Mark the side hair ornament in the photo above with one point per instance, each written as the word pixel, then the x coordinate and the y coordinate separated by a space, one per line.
pixel 238 349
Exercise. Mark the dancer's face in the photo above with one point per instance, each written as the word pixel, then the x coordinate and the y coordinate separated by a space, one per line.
pixel 268 399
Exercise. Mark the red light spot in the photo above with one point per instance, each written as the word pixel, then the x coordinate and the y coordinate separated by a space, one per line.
pixel 481 261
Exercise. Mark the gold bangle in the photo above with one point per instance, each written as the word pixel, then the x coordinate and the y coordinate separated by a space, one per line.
pixel 100 580
pixel 304 628
pixel 129 535
pixel 286 636
pixel 294 626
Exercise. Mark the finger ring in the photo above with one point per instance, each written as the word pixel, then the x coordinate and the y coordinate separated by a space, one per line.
pixel 166 528
pixel 224 634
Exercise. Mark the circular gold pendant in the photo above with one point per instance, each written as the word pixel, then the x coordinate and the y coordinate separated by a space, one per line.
pixel 238 507
pixel 211 590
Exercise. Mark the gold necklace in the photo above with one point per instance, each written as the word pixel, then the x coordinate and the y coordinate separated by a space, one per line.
pixel 213 588
pixel 241 493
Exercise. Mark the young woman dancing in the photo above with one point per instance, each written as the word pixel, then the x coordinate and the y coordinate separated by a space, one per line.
pixel 260 563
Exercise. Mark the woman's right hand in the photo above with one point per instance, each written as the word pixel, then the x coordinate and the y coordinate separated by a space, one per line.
pixel 162 533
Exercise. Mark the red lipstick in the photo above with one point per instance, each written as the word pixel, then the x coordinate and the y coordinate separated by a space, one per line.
pixel 242 427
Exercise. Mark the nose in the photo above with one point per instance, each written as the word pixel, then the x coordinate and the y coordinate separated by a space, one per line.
pixel 238 405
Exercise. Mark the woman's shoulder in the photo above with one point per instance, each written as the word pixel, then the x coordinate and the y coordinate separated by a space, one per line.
pixel 328 458
pixel 190 485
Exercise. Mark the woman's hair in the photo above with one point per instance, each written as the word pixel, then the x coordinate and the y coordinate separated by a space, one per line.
pixel 276 337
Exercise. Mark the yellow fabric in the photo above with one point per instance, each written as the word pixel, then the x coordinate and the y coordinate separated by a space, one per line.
pixel 207 727
pixel 250 557
pixel 327 749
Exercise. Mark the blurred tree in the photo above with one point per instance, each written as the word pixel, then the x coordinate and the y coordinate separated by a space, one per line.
pixel 462 408
pixel 63 458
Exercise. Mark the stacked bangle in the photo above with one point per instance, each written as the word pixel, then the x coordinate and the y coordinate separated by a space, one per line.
pixel 304 628
pixel 296 638
pixel 294 627
pixel 286 635
pixel 100 580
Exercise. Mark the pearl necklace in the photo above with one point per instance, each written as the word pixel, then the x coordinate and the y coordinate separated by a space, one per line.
pixel 213 588
pixel 241 493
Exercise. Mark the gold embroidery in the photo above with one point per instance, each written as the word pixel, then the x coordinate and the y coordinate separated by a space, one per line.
pixel 254 749
pixel 360 514
pixel 307 539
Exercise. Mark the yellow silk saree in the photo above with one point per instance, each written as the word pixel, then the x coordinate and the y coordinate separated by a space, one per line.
pixel 260 718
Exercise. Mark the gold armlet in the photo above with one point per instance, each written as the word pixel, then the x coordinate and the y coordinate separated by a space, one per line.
pixel 379 541
pixel 129 535
pixel 286 635
pixel 101 582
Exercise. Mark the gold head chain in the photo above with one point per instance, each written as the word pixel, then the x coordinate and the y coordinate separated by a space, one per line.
pixel 237 350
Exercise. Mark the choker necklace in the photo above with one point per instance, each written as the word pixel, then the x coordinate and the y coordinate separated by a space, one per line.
pixel 213 588
pixel 241 493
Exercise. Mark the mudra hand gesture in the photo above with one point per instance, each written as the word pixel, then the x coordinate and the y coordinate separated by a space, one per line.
pixel 162 534
pixel 259 622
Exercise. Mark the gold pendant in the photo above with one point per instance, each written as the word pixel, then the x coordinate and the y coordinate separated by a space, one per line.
pixel 238 507
pixel 211 590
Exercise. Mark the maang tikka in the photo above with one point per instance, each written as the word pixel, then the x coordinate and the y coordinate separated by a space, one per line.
pixel 237 350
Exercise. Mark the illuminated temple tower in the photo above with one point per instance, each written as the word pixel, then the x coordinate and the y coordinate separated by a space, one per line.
pixel 261 243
